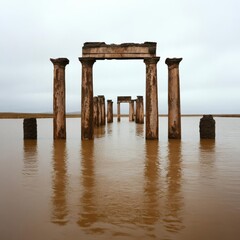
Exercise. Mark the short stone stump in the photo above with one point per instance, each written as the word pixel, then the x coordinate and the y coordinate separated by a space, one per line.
pixel 30 128
pixel 207 127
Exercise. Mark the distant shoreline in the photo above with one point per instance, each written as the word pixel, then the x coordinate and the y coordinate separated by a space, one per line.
pixel 13 115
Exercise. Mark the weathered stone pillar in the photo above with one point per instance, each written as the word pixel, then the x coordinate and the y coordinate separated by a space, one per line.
pixel 174 110
pixel 207 127
pixel 59 109
pixel 87 99
pixel 140 110
pixel 102 109
pixel 118 112
pixel 131 111
pixel 99 111
pixel 137 111
pixel 95 111
pixel 151 98
pixel 30 128
pixel 109 111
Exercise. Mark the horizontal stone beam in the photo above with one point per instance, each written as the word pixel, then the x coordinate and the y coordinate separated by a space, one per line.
pixel 124 99
pixel 101 50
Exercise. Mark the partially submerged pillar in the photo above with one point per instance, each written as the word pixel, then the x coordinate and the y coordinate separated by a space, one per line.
pixel 95 111
pixel 109 111
pixel 87 99
pixel 59 109
pixel 207 127
pixel 174 110
pixel 102 108
pixel 118 112
pixel 30 128
pixel 131 111
pixel 140 110
pixel 151 98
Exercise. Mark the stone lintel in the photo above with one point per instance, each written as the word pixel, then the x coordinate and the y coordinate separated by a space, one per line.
pixel 125 99
pixel 173 62
pixel 139 97
pixel 101 50
pixel 109 101
pixel 62 62
pixel 101 96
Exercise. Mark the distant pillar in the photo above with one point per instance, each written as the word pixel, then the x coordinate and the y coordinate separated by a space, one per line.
pixel 131 111
pixel 137 110
pixel 87 99
pixel 151 98
pixel 118 112
pixel 59 109
pixel 95 111
pixel 102 109
pixel 207 127
pixel 174 110
pixel 140 110
pixel 30 128
pixel 109 111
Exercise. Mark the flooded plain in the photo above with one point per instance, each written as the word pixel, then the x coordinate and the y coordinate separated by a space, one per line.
pixel 120 186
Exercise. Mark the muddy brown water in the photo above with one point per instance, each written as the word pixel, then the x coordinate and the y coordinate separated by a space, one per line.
pixel 120 186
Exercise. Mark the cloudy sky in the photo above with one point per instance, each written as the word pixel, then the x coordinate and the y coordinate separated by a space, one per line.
pixel 206 34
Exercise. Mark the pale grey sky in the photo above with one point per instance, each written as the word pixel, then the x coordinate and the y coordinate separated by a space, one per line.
pixel 204 33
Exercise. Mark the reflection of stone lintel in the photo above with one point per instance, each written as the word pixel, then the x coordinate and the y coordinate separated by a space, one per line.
pixel 62 62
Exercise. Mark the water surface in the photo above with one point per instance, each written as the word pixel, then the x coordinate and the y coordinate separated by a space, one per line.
pixel 120 186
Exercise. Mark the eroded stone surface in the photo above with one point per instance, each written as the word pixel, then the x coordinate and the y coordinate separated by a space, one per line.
pixel 174 110
pixel 207 127
pixel 101 50
pixel 30 128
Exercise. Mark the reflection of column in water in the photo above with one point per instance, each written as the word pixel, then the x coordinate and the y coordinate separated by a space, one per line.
pixel 30 157
pixel 207 152
pixel 87 215
pixel 151 189
pixel 99 132
pixel 139 130
pixel 174 204
pixel 59 182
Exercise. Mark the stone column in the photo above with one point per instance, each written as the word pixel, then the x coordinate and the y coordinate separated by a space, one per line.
pixel 174 111
pixel 207 127
pixel 140 110
pixel 118 112
pixel 137 111
pixel 30 128
pixel 109 111
pixel 131 111
pixel 99 111
pixel 59 109
pixel 95 111
pixel 151 98
pixel 87 99
pixel 101 98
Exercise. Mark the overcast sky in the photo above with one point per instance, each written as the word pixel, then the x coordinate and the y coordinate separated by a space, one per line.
pixel 206 34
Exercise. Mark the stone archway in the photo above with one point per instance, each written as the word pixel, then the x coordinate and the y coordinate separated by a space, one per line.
pixel 93 51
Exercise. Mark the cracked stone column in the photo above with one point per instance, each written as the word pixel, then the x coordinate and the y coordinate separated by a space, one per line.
pixel 59 108
pixel 95 111
pixel 151 98
pixel 109 111
pixel 118 112
pixel 131 111
pixel 140 110
pixel 87 99
pixel 174 110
